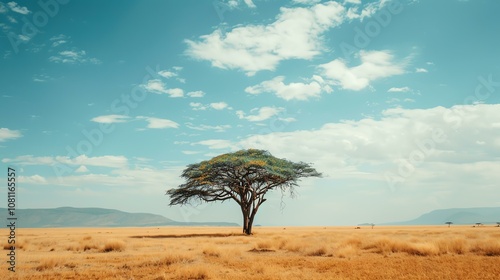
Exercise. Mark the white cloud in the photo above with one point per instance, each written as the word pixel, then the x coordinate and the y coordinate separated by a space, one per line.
pixel 175 92
pixel 298 91
pixel 367 10
pixel 41 78
pixel 203 127
pixel 24 38
pixel 18 9
pixel 73 57
pixel 250 3
pixel 421 70
pixel 102 161
pixel 167 74
pixel 11 19
pixel 295 34
pixel 82 169
pixel 263 113
pixel 190 152
pixel 219 105
pixel 8 134
pixel 197 106
pixel 197 93
pixel 400 89
pixel 30 160
pixel 233 4
pixel 445 137
pixel 156 86
pixel 146 179
pixel 159 87
pixel 59 40
pixel 374 65
pixel 306 2
pixel 216 144
pixel 159 123
pixel 111 119
pixel 35 179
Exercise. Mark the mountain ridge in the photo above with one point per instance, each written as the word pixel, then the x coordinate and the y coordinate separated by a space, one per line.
pixel 94 217
pixel 459 216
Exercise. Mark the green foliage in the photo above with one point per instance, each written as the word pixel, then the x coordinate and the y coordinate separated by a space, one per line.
pixel 256 169
pixel 244 176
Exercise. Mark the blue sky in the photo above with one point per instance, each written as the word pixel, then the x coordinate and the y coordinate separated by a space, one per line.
pixel 103 103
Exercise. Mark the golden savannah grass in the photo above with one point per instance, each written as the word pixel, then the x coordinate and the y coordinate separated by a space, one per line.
pixel 436 252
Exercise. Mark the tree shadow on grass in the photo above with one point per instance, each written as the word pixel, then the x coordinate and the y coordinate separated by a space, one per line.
pixel 189 235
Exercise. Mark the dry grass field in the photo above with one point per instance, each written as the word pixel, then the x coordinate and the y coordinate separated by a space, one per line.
pixel 288 253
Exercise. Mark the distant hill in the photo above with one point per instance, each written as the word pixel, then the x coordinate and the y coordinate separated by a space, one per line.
pixel 93 217
pixel 464 216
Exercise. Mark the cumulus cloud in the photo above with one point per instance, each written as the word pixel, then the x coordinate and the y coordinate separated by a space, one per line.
pixel 197 93
pixel 262 114
pixel 421 70
pixel 102 161
pixel 297 91
pixel 295 34
pixel 216 144
pixel 111 119
pixel 374 65
pixel 59 40
pixel 8 134
pixel 364 11
pixel 167 74
pixel 306 2
pixel 18 9
pixel 400 89
pixel 82 169
pixel 152 122
pixel 35 179
pixel 407 143
pixel 196 106
pixel 203 127
pixel 157 86
pixel 218 105
pixel 73 57
pixel 159 123
pixel 232 4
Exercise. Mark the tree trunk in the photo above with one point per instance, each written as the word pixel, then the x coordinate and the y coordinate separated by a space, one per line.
pixel 248 220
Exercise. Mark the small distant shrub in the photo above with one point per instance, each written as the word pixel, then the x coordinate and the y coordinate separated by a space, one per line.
pixel 166 261
pixel 47 264
pixel 294 246
pixel 421 249
pixel 490 247
pixel 347 250
pixel 264 245
pixel 452 246
pixel 318 252
pixel 211 251
pixel 193 272
pixel 113 245
pixel 18 245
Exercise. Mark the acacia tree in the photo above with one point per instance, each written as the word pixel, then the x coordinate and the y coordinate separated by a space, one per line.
pixel 244 176
pixel 449 223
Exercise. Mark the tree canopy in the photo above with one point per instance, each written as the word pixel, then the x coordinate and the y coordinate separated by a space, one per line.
pixel 244 176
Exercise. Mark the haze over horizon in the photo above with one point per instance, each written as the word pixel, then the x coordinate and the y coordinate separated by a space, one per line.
pixel 396 102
